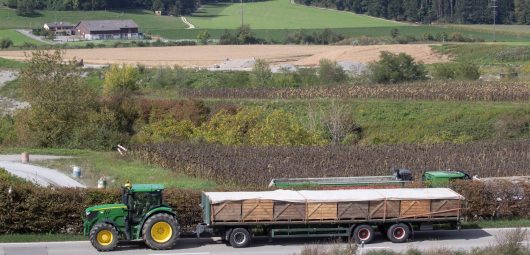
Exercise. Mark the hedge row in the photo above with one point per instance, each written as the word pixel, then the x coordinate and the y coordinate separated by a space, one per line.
pixel 33 209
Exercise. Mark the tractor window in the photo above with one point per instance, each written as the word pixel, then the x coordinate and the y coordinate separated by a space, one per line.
pixel 143 202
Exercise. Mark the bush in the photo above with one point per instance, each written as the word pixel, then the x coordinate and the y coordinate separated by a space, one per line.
pixel 167 130
pixel 330 72
pixel 5 43
pixel 261 75
pixel 150 111
pixel 203 37
pixel 461 71
pixel 257 127
pixel 121 80
pixel 227 38
pixel 394 68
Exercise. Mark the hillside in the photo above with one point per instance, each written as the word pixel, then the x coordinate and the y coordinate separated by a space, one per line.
pixel 279 14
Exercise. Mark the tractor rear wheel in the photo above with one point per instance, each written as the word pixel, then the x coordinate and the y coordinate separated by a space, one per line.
pixel 161 231
pixel 104 237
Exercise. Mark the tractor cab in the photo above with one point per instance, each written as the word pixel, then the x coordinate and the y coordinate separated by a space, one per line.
pixel 140 199
pixel 141 215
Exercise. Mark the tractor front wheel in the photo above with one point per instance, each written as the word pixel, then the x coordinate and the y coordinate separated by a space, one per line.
pixel 104 237
pixel 161 231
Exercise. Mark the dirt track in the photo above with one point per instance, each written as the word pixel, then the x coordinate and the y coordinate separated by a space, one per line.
pixel 205 56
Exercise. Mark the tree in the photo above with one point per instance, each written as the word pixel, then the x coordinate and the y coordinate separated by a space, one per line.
pixel 59 100
pixel 203 37
pixel 261 74
pixel 157 5
pixel 120 80
pixel 394 68
pixel 120 84
pixel 26 7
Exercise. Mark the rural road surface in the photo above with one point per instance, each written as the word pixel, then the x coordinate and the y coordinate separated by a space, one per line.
pixel 36 174
pixel 463 240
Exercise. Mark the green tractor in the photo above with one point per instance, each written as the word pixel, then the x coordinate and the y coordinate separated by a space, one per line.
pixel 141 215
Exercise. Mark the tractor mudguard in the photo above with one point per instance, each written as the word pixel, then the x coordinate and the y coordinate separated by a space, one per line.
pixel 154 211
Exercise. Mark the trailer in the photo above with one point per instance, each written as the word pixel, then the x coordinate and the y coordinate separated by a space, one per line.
pixel 399 178
pixel 354 213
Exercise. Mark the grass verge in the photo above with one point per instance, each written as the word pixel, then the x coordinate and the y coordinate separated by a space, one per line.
pixel 117 169
pixel 22 238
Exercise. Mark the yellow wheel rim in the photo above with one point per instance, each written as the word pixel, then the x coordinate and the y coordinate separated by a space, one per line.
pixel 105 237
pixel 161 232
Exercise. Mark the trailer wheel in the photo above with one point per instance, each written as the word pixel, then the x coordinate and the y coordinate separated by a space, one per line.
pixel 398 233
pixel 363 233
pixel 239 238
pixel 161 231
pixel 225 235
pixel 104 237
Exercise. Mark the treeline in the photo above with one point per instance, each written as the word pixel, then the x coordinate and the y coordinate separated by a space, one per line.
pixel 172 7
pixel 429 11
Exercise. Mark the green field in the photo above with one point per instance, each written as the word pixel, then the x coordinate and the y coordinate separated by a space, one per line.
pixel 146 20
pixel 18 38
pixel 279 14
pixel 500 29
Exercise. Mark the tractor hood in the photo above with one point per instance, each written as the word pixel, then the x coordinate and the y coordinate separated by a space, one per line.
pixel 105 207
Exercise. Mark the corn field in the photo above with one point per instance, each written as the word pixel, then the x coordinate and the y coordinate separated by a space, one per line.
pixel 452 91
pixel 254 167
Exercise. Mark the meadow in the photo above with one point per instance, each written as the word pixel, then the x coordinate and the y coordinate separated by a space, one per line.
pixel 279 14
pixel 18 38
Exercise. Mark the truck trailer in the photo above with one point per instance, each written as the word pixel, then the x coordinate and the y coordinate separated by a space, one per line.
pixel 354 213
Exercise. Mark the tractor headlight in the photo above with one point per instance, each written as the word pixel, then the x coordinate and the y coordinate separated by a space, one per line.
pixel 87 213
pixel 91 215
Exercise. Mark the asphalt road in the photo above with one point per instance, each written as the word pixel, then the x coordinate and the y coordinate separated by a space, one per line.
pixel 36 174
pixel 452 239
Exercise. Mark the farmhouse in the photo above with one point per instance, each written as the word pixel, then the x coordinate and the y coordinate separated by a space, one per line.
pixel 59 27
pixel 107 29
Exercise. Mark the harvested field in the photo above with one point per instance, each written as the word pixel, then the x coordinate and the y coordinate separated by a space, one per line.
pixel 206 56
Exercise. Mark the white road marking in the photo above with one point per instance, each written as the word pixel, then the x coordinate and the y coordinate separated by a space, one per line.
pixel 186 253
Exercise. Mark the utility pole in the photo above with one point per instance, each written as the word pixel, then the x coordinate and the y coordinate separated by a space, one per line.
pixel 242 13
pixel 493 4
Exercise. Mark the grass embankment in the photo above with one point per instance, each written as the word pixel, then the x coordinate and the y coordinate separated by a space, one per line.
pixel 18 38
pixel 394 122
pixel 118 169
pixel 11 64
pixel 488 54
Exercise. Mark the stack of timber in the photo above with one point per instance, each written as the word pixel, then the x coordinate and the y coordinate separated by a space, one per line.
pixel 330 205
